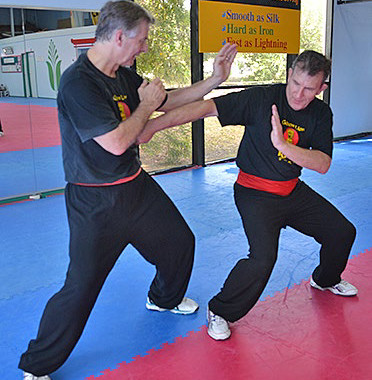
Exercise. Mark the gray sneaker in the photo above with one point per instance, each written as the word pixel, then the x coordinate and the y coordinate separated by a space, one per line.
pixel 218 328
pixel 187 306
pixel 343 288
pixel 30 376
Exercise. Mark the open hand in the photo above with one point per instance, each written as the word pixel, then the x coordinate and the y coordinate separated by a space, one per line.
pixel 223 61
pixel 277 137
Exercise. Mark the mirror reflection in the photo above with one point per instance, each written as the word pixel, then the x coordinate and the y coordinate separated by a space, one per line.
pixel 36 46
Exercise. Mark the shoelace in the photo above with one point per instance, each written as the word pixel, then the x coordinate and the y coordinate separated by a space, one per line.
pixel 216 318
pixel 341 286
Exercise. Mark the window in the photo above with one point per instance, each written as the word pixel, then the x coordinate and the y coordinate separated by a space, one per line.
pixel 168 58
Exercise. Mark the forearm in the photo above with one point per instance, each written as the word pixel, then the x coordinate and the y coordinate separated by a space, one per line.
pixel 127 132
pixel 178 116
pixel 121 138
pixel 308 158
pixel 182 96
pixel 185 114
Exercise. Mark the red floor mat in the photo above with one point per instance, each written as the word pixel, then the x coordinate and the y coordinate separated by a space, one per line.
pixel 300 334
pixel 27 127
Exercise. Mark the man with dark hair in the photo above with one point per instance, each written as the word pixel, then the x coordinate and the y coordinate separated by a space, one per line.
pixel 111 202
pixel 286 128
pixel 313 62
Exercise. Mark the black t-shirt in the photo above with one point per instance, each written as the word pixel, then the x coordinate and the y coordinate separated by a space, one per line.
pixel 91 104
pixel 307 128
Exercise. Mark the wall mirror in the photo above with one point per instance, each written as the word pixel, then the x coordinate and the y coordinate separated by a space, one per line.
pixel 36 45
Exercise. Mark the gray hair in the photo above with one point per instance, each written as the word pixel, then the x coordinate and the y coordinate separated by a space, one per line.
pixel 313 63
pixel 123 14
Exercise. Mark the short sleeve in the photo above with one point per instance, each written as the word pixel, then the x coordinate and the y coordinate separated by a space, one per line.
pixel 232 108
pixel 87 108
pixel 237 108
pixel 322 138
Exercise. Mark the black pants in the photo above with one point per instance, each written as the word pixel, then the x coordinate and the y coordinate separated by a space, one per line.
pixel 263 216
pixel 103 221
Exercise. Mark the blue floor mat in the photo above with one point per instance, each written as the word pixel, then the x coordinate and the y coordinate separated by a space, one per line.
pixel 31 170
pixel 34 241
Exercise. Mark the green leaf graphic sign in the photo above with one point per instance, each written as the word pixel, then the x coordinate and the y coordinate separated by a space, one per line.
pixel 54 66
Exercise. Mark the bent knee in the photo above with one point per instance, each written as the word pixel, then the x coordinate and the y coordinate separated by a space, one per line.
pixel 184 237
pixel 346 231
pixel 350 231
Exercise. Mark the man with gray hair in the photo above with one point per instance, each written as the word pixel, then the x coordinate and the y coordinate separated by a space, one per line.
pixel 103 106
pixel 286 128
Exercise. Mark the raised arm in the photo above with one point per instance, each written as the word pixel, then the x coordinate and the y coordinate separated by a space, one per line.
pixel 178 116
pixel 121 138
pixel 307 158
pixel 221 71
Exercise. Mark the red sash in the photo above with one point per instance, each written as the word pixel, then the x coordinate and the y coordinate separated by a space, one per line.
pixel 118 182
pixel 282 188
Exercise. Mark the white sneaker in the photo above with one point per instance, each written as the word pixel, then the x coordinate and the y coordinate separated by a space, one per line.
pixel 30 376
pixel 187 306
pixel 218 328
pixel 343 288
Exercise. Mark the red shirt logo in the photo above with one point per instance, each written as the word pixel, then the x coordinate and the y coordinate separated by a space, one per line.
pixel 291 135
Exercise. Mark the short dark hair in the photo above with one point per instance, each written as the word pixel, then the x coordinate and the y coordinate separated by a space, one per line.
pixel 313 63
pixel 123 14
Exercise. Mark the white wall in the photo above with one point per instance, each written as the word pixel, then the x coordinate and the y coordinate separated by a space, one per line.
pixel 39 44
pixel 13 81
pixel 351 81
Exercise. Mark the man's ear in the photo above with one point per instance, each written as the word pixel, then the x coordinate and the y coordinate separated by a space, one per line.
pixel 119 36
pixel 290 73
pixel 323 87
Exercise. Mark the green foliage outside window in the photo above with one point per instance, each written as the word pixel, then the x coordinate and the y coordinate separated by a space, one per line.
pixel 168 56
